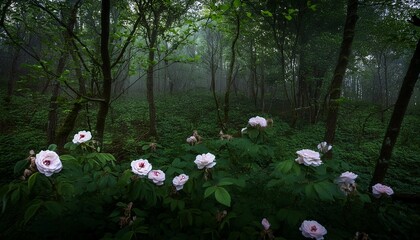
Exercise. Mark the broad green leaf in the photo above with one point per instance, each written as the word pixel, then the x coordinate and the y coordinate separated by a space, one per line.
pixel 222 196
pixel 20 166
pixel 324 191
pixel 364 198
pixel 31 210
pixel 65 189
pixel 209 191
pixel 237 3
pixel 285 166
pixel 127 236
pixel 32 180
pixel 291 216
pixel 310 191
pixel 67 158
pixel 52 147
pixel 53 207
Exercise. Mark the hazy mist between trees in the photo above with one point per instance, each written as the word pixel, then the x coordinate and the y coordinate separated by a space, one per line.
pixel 142 73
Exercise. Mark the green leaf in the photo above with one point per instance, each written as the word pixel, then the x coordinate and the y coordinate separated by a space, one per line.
pixel 31 180
pixel 53 207
pixel 67 158
pixel 20 166
pixel 209 191
pixel 285 166
pixel 52 147
pixel 364 198
pixel 222 196
pixel 127 236
pixel 290 216
pixel 237 3
pixel 324 191
pixel 310 191
pixel 65 189
pixel 31 210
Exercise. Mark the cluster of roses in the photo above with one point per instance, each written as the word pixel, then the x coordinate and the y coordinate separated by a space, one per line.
pixel 143 168
pixel 48 162
pixel 346 182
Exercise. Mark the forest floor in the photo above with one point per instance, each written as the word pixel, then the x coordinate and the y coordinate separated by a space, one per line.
pixel 359 136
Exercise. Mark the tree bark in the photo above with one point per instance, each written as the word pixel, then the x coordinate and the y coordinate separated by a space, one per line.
pixel 397 117
pixel 106 71
pixel 339 72
pixel 229 77
pixel 11 82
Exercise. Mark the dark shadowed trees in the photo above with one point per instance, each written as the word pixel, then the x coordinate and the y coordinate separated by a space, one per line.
pixel 397 117
pixel 334 92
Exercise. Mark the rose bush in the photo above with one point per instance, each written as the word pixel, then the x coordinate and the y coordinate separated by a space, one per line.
pixel 81 137
pixel 308 158
pixel 206 160
pixel 141 167
pixel 312 229
pixel 48 162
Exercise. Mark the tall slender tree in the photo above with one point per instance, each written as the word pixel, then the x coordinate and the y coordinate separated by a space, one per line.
pixel 334 93
pixel 397 116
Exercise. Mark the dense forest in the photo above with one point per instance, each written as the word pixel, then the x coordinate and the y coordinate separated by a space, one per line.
pixel 209 119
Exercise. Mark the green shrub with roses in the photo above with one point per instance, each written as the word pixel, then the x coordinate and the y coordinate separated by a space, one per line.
pixel 232 188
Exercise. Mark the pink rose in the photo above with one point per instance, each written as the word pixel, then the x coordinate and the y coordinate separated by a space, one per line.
pixel 192 140
pixel 265 224
pixel 47 162
pixel 324 147
pixel 141 167
pixel 205 161
pixel 257 121
pixel 347 177
pixel 157 176
pixel 179 181
pixel 312 229
pixel 81 137
pixel 308 157
pixel 378 190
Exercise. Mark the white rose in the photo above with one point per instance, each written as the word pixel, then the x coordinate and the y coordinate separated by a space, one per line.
pixel 141 167
pixel 324 147
pixel 192 140
pixel 378 190
pixel 308 157
pixel 312 229
pixel 47 162
pixel 347 177
pixel 265 223
pixel 157 176
pixel 179 181
pixel 257 121
pixel 81 137
pixel 205 161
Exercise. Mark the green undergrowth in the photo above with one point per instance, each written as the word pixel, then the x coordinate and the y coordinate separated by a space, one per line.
pixel 255 177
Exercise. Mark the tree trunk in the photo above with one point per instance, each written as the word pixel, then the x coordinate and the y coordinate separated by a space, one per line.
pixel 339 72
pixel 397 117
pixel 150 92
pixel 106 71
pixel 12 76
pixel 229 77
